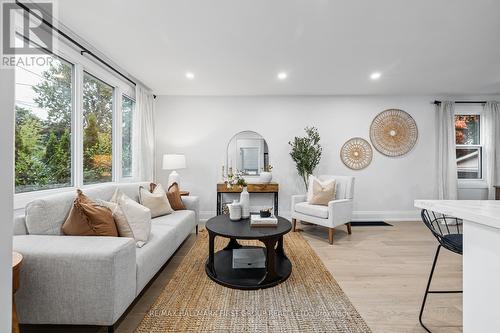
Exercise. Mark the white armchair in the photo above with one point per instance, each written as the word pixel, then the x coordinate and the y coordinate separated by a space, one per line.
pixel 338 212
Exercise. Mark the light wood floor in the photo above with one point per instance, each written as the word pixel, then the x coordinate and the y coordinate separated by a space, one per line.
pixel 383 270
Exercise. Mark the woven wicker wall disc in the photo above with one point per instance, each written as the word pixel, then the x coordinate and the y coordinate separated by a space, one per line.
pixel 393 132
pixel 356 153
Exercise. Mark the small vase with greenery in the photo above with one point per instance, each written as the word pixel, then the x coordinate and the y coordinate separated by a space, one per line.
pixel 306 153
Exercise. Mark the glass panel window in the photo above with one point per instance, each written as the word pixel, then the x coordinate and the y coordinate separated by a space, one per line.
pixel 467 129
pixel 469 148
pixel 43 125
pixel 97 130
pixel 128 105
pixel 469 163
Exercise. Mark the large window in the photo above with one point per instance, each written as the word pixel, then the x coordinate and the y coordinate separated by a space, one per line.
pixel 97 130
pixel 469 147
pixel 74 124
pixel 43 126
pixel 128 105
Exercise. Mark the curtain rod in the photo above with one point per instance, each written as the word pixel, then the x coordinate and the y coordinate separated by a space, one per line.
pixel 84 49
pixel 463 102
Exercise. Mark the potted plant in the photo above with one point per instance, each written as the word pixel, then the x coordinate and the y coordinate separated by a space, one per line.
pixel 306 153
pixel 265 175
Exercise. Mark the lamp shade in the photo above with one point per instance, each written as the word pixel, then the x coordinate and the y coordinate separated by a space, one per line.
pixel 174 161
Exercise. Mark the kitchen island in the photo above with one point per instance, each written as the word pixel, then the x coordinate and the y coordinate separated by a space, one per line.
pixel 481 259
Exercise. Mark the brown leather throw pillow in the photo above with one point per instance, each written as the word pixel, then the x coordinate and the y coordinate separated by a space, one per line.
pixel 88 218
pixel 173 195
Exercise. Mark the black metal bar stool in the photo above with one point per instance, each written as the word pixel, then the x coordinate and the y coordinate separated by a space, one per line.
pixel 449 235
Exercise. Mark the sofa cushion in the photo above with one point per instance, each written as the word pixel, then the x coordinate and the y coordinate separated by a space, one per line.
pixel 88 218
pixel 46 216
pixel 174 197
pixel 138 217
pixel 156 201
pixel 312 210
pixel 167 234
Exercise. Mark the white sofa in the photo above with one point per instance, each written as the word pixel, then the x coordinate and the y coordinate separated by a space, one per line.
pixel 86 280
pixel 338 212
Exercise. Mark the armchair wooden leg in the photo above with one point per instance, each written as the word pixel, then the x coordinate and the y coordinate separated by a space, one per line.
pixel 349 228
pixel 331 231
pixel 294 225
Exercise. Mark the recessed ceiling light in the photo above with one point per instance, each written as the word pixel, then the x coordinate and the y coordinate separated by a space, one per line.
pixel 375 75
pixel 189 75
pixel 282 75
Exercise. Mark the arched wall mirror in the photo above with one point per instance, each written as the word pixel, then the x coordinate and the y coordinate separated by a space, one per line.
pixel 247 152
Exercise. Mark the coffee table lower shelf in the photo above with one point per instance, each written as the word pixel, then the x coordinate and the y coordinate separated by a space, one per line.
pixel 248 278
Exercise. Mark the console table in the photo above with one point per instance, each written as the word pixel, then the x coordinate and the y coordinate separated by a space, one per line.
pixel 251 188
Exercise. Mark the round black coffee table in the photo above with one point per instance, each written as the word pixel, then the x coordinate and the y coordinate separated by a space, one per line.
pixel 219 266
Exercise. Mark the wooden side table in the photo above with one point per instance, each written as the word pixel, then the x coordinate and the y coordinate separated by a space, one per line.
pixel 497 188
pixel 184 193
pixel 17 259
pixel 251 188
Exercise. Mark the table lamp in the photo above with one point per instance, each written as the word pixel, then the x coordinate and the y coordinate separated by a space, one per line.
pixel 174 162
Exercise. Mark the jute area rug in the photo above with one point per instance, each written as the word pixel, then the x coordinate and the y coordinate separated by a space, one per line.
pixel 309 301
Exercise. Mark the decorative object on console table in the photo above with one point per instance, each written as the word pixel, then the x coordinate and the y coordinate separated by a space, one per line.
pixel 393 132
pixel 174 162
pixel 266 176
pixel 17 259
pixel 251 188
pixel 245 203
pixel 497 196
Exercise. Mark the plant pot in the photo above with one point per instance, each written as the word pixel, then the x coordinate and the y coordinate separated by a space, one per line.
pixel 266 177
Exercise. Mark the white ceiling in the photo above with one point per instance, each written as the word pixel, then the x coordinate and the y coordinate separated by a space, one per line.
pixel 237 47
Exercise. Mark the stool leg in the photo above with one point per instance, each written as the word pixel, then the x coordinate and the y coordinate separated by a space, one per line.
pixel 427 289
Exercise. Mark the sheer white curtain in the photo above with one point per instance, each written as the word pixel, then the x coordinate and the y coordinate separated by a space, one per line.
pixel 144 136
pixel 446 151
pixel 491 118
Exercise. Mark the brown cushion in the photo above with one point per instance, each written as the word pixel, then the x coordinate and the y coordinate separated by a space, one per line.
pixel 88 218
pixel 173 195
pixel 322 193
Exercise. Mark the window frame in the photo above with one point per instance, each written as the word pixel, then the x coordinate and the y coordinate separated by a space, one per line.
pixel 82 64
pixel 132 144
pixel 468 110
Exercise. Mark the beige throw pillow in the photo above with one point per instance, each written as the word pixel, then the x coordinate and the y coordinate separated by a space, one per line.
pixel 322 193
pixel 136 216
pixel 120 219
pixel 156 201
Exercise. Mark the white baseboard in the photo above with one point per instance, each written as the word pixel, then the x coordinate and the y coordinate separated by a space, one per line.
pixel 389 215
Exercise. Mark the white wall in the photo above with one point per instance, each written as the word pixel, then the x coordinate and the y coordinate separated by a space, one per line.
pixel 201 127
pixel 6 191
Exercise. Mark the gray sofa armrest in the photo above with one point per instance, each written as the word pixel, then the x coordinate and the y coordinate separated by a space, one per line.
pixel 75 279
pixel 192 203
